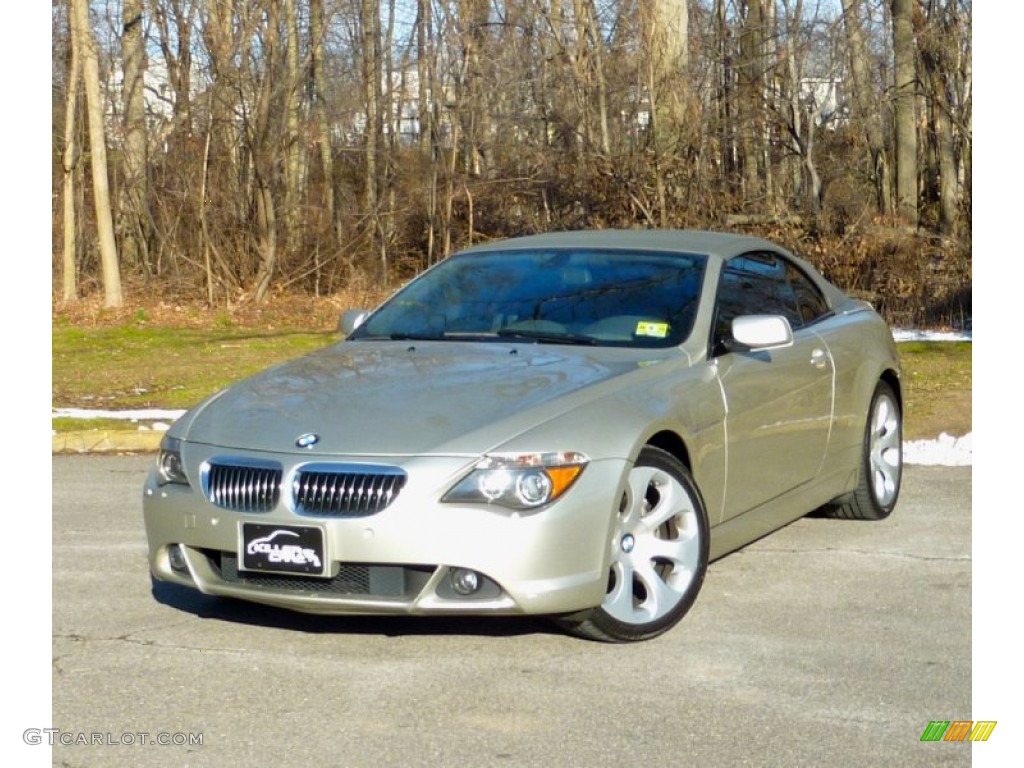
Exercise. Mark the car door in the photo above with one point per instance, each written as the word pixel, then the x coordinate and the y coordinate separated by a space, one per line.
pixel 778 401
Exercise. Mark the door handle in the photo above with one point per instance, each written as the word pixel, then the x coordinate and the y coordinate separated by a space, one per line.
pixel 818 358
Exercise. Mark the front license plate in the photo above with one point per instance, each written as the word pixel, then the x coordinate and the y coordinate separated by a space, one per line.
pixel 283 549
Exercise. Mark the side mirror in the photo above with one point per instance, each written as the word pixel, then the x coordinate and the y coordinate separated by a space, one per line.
pixel 351 319
pixel 762 331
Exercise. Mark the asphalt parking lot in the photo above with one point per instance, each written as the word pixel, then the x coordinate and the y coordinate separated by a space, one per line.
pixel 829 643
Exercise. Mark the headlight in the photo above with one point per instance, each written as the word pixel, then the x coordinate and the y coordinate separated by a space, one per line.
pixel 169 467
pixel 519 480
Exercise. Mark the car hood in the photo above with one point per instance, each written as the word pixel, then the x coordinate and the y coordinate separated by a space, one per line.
pixel 404 398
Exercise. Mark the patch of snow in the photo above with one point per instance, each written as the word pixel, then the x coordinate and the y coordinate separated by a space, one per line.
pixel 83 413
pixel 947 451
pixel 906 334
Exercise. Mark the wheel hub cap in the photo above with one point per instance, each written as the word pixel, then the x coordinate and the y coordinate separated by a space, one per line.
pixel 656 550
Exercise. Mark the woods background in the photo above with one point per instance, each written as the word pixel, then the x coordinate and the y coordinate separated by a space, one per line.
pixel 230 150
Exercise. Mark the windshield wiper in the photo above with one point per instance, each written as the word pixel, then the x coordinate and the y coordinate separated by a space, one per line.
pixel 415 337
pixel 546 337
pixel 446 336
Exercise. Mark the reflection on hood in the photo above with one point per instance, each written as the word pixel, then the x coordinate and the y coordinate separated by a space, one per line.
pixel 404 398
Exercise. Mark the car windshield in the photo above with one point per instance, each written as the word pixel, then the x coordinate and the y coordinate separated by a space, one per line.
pixel 555 296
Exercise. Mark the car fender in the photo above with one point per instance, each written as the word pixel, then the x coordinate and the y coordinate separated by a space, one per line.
pixel 681 409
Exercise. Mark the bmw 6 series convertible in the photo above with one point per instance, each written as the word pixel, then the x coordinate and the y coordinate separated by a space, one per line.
pixel 571 424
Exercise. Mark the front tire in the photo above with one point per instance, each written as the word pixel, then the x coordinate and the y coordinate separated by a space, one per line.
pixel 881 470
pixel 659 554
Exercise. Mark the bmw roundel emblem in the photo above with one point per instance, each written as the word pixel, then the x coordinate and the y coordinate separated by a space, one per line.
pixel 307 440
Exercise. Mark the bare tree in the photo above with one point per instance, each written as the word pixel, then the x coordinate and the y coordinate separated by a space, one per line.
pixel 134 214
pixel 279 154
pixel 292 109
pixel 318 76
pixel 905 74
pixel 751 107
pixel 369 21
pixel 264 147
pixel 810 102
pixel 424 56
pixel 223 29
pixel 473 17
pixel 939 50
pixel 175 23
pixel 725 97
pixel 667 32
pixel 867 103
pixel 69 162
pixel 82 37
pixel 427 107
pixel 598 57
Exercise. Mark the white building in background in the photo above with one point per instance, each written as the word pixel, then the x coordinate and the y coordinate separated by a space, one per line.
pixel 156 87
pixel 158 96
pixel 821 96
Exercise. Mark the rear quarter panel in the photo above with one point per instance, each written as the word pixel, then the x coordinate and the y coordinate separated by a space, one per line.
pixel 863 349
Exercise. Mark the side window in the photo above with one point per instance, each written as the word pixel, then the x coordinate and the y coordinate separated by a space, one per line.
pixel 753 284
pixel 810 300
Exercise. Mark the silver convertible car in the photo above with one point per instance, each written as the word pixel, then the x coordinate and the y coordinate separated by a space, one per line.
pixel 571 424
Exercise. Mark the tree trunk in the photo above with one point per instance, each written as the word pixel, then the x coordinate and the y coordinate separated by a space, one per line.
pixel 82 36
pixel 938 59
pixel 473 25
pixel 391 109
pixel 425 111
pixel 209 245
pixel 798 143
pixel 423 56
pixel 230 203
pixel 906 120
pixel 728 151
pixel 368 19
pixel 668 32
pixel 814 188
pixel 317 30
pixel 751 93
pixel 265 159
pixel 597 54
pixel 69 162
pixel 947 164
pixel 292 146
pixel 176 47
pixel 866 104
pixel 134 218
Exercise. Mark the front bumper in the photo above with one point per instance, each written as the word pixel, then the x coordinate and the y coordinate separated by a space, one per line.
pixel 401 560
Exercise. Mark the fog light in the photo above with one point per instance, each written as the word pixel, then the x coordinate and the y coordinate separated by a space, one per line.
pixel 465 581
pixel 177 558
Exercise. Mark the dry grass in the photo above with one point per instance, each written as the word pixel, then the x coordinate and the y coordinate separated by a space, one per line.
pixel 937 385
pixel 292 311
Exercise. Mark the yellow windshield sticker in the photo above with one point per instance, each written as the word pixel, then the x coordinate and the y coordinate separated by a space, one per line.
pixel 656 330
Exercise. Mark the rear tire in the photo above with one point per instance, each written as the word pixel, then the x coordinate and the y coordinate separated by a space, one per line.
pixel 659 554
pixel 881 469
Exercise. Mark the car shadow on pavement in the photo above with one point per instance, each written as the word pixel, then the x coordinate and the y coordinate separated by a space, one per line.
pixel 242 612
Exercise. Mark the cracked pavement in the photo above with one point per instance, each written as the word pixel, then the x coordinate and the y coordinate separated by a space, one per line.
pixel 829 643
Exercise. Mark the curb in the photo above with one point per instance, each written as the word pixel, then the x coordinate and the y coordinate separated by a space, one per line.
pixel 107 441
